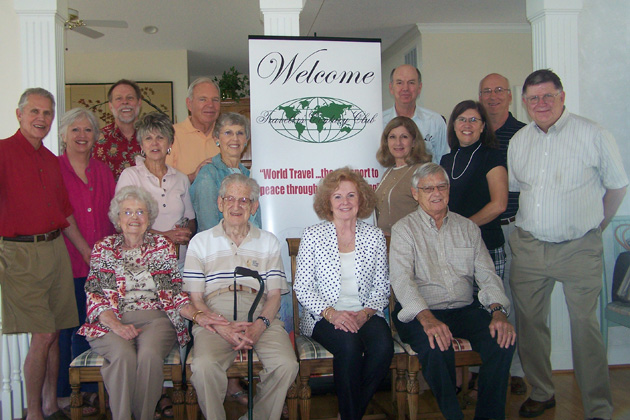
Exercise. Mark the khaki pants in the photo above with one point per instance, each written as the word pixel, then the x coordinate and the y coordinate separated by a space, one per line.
pixel 577 264
pixel 213 356
pixel 133 369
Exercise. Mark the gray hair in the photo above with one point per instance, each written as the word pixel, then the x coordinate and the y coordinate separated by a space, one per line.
pixel 35 91
pixel 391 75
pixel 152 122
pixel 132 192
pixel 229 180
pixel 199 81
pixel 74 115
pixel 231 118
pixel 429 168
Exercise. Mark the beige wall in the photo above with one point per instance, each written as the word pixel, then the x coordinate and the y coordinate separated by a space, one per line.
pixel 453 63
pixel 146 66
pixel 11 68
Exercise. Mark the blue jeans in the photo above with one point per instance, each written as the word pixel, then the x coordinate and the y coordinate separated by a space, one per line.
pixel 438 367
pixel 361 361
pixel 71 345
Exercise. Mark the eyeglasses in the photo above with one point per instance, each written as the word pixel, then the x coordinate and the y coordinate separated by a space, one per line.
pixel 230 133
pixel 499 91
pixel 429 188
pixel 547 98
pixel 242 202
pixel 130 213
pixel 472 120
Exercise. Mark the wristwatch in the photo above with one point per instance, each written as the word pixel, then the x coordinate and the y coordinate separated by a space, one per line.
pixel 499 308
pixel 265 320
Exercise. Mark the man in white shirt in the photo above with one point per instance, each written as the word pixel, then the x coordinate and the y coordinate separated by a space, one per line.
pixel 405 85
pixel 571 181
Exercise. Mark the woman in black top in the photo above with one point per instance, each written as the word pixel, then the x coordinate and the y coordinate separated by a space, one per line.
pixel 478 174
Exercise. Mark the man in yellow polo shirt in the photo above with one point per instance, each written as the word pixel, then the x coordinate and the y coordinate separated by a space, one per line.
pixel 194 145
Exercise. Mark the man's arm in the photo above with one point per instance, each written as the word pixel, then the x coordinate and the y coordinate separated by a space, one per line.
pixel 74 235
pixel 501 328
pixel 269 311
pixel 612 201
pixel 437 331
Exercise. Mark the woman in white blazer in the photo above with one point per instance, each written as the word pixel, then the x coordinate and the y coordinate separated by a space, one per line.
pixel 342 283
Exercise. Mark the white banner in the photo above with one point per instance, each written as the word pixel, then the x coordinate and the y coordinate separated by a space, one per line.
pixel 315 107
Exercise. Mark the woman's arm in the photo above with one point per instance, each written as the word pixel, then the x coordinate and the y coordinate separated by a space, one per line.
pixel 305 282
pixel 497 179
pixel 204 193
pixel 380 287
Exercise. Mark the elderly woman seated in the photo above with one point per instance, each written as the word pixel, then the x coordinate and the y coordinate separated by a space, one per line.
pixel 343 284
pixel 209 277
pixel 135 305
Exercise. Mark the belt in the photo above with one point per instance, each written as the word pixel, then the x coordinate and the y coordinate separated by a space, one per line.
pixel 239 288
pixel 508 220
pixel 46 237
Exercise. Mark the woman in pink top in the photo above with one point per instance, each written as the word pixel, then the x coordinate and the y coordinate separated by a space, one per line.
pixel 90 186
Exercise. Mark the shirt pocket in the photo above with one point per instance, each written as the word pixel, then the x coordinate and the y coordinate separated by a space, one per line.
pixel 462 261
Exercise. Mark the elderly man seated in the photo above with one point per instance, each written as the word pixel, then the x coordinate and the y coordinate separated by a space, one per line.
pixel 208 276
pixel 435 256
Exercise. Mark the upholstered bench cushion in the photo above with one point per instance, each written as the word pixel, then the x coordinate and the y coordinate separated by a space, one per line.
pixel 309 349
pixel 91 359
pixel 619 308
pixel 459 344
pixel 241 356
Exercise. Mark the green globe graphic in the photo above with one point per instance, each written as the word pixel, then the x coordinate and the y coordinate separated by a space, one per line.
pixel 317 119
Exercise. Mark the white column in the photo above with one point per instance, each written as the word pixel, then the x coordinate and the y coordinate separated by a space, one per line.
pixel 555 46
pixel 282 17
pixel 42 51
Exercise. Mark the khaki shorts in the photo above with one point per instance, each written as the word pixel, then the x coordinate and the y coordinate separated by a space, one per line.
pixel 37 287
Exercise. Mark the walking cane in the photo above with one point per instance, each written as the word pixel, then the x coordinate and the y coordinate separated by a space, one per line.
pixel 246 272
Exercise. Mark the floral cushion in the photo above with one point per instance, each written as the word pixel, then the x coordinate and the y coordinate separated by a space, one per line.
pixel 90 358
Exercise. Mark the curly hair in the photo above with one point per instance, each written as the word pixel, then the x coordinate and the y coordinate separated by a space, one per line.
pixel 231 118
pixel 132 192
pixel 418 152
pixel 330 184
pixel 487 135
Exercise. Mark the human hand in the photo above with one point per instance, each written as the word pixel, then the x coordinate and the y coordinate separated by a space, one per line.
pixel 179 235
pixel 126 331
pixel 344 320
pixel 438 332
pixel 502 329
pixel 208 319
pixel 234 333
pixel 191 177
pixel 255 330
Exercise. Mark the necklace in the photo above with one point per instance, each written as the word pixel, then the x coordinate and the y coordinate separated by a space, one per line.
pixel 468 164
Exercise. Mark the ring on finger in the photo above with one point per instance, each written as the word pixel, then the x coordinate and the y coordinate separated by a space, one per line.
pixel 436 335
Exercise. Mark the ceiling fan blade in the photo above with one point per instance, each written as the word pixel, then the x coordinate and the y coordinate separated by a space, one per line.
pixel 88 32
pixel 106 23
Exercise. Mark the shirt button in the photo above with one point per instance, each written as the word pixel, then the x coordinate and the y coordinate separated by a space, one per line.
pixel 163 195
pixel 91 189
pixel 89 209
pixel 163 205
pixel 164 180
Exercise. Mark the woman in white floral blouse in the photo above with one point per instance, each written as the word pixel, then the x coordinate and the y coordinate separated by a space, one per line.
pixel 342 283
pixel 135 305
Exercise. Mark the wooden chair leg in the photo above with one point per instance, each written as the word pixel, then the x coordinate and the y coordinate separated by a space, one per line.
pixel 192 405
pixel 76 399
pixel 292 401
pixel 304 395
pixel 401 389
pixel 413 386
pixel 178 400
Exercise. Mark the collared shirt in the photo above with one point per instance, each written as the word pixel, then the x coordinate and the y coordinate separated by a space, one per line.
pixel 212 257
pixel 433 268
pixel 33 198
pixel 115 150
pixel 90 203
pixel 432 127
pixel 562 176
pixel 172 196
pixel 504 134
pixel 191 147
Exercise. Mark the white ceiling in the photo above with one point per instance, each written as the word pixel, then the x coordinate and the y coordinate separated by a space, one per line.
pixel 215 31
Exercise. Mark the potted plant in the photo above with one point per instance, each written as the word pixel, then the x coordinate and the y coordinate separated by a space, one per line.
pixel 233 84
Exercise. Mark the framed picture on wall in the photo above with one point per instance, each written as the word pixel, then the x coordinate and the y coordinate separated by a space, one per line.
pixel 94 97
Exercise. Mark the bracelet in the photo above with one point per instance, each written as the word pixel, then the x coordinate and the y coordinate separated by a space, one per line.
pixel 194 317
pixel 326 313
pixel 265 321
pixel 367 314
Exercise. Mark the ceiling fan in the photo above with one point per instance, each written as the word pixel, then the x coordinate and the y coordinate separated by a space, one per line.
pixel 82 26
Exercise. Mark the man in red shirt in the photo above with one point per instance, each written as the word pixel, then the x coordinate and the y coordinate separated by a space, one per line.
pixel 35 271
pixel 118 148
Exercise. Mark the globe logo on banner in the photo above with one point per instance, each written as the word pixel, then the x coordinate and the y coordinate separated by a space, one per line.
pixel 317 119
